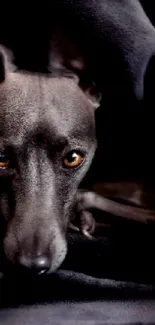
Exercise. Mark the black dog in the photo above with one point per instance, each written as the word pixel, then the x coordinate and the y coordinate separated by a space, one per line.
pixel 47 124
pixel 47 142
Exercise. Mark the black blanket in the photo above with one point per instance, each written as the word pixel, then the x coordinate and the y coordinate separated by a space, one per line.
pixel 119 264
pixel 112 283
pixel 96 313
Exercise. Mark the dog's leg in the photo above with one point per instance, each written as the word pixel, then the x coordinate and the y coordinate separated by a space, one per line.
pixel 90 200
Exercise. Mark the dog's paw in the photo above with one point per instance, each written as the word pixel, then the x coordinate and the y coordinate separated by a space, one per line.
pixel 87 224
pixel 83 220
pixel 83 223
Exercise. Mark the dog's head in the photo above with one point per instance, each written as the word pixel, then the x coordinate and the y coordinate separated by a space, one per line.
pixel 47 141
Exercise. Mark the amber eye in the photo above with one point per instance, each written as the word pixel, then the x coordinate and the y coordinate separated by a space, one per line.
pixel 4 160
pixel 73 159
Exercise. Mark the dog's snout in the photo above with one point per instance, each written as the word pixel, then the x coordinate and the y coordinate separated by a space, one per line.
pixel 38 265
pixel 35 252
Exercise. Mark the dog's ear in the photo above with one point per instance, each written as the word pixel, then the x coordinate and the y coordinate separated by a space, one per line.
pixel 66 60
pixel 6 62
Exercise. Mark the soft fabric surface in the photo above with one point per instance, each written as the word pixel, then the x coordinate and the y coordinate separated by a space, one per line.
pixel 117 265
pixel 92 313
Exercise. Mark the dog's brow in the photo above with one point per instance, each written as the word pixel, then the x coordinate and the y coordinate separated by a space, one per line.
pixel 57 142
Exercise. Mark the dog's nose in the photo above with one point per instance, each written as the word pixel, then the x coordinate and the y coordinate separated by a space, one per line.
pixel 39 265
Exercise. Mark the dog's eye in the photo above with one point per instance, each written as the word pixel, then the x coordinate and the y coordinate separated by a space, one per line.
pixel 4 160
pixel 73 159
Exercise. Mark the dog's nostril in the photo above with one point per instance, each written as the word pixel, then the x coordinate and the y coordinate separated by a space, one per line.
pixel 41 264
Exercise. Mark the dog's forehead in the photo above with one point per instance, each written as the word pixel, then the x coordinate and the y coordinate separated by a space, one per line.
pixel 28 100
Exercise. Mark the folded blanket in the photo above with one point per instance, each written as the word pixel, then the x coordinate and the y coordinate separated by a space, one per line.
pixel 95 313
pixel 120 264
